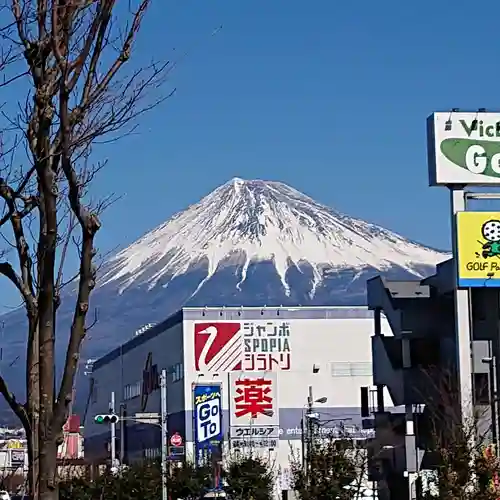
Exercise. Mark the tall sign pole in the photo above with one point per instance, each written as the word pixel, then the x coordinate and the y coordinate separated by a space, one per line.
pixel 464 151
pixel 164 434
pixel 456 168
pixel 463 315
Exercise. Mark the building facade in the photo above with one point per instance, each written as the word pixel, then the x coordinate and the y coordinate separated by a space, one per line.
pixel 263 362
pixel 417 365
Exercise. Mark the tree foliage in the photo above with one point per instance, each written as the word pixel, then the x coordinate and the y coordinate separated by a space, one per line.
pixel 141 480
pixel 334 469
pixel 248 477
pixel 189 482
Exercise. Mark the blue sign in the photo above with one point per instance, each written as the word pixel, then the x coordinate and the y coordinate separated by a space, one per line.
pixel 207 421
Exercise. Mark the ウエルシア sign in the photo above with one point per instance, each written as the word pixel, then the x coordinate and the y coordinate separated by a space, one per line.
pixel 463 148
pixel 478 247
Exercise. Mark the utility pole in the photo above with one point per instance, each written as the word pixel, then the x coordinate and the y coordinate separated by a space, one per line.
pixel 309 424
pixel 164 434
pixel 113 431
pixel 494 406
pixel 123 416
pixel 303 440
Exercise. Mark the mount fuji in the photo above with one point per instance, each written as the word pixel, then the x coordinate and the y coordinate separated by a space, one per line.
pixel 247 243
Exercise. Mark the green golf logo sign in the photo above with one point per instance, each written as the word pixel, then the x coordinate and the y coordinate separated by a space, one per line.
pixel 464 148
pixel 477 156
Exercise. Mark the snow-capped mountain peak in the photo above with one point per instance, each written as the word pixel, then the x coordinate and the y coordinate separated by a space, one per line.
pixel 243 221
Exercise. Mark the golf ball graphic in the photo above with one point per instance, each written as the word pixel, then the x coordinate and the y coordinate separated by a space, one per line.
pixel 491 230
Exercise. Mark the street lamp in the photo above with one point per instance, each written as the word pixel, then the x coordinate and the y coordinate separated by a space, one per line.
pixel 310 421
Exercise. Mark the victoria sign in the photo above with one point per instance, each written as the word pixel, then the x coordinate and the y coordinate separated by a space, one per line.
pixel 464 148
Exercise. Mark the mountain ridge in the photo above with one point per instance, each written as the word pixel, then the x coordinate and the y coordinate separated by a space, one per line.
pixel 244 221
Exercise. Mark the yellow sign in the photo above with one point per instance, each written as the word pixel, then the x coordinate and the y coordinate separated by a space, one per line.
pixel 478 243
pixel 13 444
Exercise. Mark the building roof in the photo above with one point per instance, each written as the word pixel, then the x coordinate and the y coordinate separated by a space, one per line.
pixel 234 314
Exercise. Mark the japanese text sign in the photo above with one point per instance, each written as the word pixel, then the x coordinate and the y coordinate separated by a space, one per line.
pixel 254 399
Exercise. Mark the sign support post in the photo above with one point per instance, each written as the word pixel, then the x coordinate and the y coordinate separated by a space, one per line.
pixel 113 431
pixel 462 314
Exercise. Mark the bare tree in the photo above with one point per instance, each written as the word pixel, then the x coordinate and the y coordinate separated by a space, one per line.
pixel 70 59
pixel 465 463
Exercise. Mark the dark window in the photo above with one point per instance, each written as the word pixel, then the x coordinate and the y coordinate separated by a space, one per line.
pixel 424 352
pixel 481 390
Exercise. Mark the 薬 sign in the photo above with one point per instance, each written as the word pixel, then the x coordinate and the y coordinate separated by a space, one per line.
pixel 254 409
pixel 463 148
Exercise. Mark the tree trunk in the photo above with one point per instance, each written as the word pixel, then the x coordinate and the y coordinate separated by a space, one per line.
pixel 33 405
pixel 48 471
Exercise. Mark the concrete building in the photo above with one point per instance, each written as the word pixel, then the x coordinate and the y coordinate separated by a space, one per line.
pixel 291 349
pixel 417 364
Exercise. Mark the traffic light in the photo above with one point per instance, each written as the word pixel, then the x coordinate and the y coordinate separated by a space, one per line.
pixel 106 419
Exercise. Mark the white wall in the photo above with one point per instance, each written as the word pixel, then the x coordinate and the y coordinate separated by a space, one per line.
pixel 340 348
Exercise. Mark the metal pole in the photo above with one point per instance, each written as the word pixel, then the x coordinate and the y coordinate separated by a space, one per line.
pixel 462 319
pixel 123 414
pixel 164 434
pixel 493 402
pixel 229 423
pixel 303 441
pixel 113 431
pixel 309 429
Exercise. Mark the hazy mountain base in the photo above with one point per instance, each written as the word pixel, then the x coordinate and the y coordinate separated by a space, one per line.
pixel 120 315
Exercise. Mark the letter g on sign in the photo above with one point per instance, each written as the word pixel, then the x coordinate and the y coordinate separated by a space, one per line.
pixel 208 420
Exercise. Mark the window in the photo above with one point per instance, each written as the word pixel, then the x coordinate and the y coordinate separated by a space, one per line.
pixel 152 453
pixel 132 391
pixel 424 352
pixel 481 389
pixel 351 369
pixel 177 371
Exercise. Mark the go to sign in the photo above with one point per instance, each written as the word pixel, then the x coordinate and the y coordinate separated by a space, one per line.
pixel 208 420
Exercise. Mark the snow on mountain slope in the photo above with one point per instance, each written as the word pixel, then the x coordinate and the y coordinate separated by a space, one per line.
pixel 246 221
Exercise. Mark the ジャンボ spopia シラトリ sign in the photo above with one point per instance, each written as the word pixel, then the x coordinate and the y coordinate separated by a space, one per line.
pixel 478 246
pixel 254 409
pixel 248 346
pixel 463 148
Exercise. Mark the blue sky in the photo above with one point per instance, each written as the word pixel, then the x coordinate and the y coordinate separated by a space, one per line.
pixel 330 97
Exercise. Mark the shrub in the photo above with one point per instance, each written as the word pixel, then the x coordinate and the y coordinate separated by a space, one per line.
pixel 248 478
